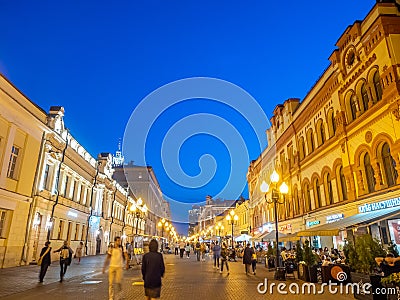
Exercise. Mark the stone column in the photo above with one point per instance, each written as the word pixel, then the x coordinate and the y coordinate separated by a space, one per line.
pixel 360 182
pixel 350 186
pixel 377 174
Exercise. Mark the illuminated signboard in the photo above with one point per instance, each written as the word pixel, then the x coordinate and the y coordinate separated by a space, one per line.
pixel 367 207
pixel 334 218
pixel 285 227
pixel 312 223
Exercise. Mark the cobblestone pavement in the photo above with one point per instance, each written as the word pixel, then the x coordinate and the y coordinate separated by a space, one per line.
pixel 184 279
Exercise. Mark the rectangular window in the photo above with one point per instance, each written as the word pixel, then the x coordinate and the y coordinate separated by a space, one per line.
pixel 12 164
pixel 83 235
pixel 76 238
pixel 3 215
pixel 66 185
pixel 69 231
pixel 46 177
pixel 60 230
pixel 72 189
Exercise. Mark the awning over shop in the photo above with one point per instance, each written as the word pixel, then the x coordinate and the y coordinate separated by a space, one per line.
pixel 291 237
pixel 270 236
pixel 361 219
pixel 258 236
pixel 242 238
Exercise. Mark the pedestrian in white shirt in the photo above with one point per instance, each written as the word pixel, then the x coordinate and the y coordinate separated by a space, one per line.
pixel 115 260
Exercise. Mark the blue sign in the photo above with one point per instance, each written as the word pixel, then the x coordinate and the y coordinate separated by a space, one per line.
pixel 312 223
pixel 379 205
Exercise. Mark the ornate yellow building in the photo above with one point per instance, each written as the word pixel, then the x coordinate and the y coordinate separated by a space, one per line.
pixel 338 149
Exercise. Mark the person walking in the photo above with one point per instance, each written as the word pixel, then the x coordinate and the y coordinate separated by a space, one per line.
pixel 224 258
pixel 253 260
pixel 153 269
pixel 181 248
pixel 216 254
pixel 65 258
pixel 187 249
pixel 203 249
pixel 247 253
pixel 197 250
pixel 44 260
pixel 176 248
pixel 115 260
pixel 78 252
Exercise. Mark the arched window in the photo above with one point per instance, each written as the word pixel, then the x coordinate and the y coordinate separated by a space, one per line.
pixel 296 201
pixel 320 132
pixel 307 198
pixel 369 173
pixel 377 86
pixel 342 184
pixel 389 166
pixel 317 194
pixel 331 123
pixel 310 141
pixel 364 97
pixel 328 190
pixel 353 107
pixel 301 149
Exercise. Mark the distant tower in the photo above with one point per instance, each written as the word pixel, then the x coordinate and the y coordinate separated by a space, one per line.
pixel 118 159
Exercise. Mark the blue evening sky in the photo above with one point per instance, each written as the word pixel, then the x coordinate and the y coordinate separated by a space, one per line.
pixel 100 59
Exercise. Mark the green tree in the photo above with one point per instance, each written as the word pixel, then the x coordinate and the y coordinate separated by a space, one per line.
pixel 309 257
pixel 299 252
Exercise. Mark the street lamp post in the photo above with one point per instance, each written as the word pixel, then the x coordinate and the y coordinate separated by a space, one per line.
pixel 218 228
pixel 164 224
pixel 232 218
pixel 139 210
pixel 275 195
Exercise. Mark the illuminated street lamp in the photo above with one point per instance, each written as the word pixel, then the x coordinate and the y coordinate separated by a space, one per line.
pixel 139 211
pixel 218 228
pixel 163 224
pixel 275 195
pixel 232 219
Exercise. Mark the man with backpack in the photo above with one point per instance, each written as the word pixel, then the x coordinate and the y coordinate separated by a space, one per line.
pixel 65 258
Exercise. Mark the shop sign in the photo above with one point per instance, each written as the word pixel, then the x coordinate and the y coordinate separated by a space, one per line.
pixel 313 223
pixel 379 205
pixel 334 218
pixel 285 227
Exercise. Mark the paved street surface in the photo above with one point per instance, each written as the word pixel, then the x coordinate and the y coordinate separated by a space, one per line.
pixel 184 279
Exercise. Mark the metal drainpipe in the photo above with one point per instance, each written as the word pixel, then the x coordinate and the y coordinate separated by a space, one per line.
pixel 90 207
pixel 29 221
pixel 112 214
pixel 58 183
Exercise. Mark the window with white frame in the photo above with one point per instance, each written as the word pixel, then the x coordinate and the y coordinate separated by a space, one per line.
pixel 12 164
pixel 45 184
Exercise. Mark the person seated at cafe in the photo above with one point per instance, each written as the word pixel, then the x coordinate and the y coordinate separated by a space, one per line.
pixel 388 264
pixel 327 261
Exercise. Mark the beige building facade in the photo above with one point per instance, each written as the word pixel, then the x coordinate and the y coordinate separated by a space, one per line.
pixel 338 149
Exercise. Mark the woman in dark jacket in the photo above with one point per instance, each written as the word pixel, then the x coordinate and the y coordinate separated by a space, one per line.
pixel 247 258
pixel 45 259
pixel 152 270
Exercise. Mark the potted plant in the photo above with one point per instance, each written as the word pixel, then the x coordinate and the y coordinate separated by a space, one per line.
pixel 307 268
pixel 361 259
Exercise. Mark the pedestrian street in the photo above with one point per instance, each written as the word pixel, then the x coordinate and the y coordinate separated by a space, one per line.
pixel 184 279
